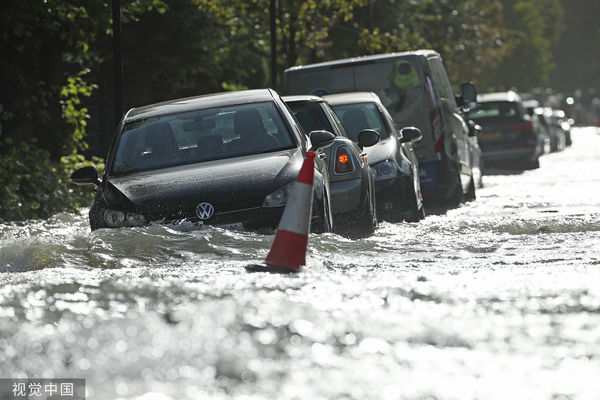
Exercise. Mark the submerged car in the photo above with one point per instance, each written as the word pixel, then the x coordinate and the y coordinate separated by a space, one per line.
pixel 415 88
pixel 351 179
pixel 218 159
pixel 562 122
pixel 397 185
pixel 507 130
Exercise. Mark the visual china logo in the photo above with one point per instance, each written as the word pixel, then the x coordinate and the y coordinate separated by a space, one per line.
pixel 204 211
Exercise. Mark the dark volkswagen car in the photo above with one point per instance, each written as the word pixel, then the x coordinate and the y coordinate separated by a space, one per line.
pixel 397 184
pixel 351 179
pixel 224 158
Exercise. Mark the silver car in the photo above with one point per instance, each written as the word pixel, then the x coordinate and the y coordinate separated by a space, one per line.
pixel 397 183
pixel 351 179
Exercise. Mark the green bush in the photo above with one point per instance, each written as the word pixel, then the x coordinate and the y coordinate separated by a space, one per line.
pixel 32 186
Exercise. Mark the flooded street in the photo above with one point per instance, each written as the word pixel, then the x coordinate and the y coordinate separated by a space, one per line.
pixel 498 299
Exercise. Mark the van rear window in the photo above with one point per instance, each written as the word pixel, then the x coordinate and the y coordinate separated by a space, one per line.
pixel 395 80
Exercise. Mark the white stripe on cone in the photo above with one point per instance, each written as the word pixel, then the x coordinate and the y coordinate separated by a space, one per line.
pixel 297 213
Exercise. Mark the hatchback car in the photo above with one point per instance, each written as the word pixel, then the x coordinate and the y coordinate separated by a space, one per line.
pixel 224 158
pixel 351 179
pixel 507 131
pixel 397 185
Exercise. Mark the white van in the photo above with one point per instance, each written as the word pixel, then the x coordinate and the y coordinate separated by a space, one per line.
pixel 415 89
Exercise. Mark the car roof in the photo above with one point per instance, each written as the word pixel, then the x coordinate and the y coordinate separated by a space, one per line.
pixel 200 102
pixel 303 98
pixel 531 103
pixel 352 97
pixel 375 57
pixel 499 96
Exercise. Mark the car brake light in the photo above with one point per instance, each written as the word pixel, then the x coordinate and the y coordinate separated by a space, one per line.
pixel 522 127
pixel 343 163
pixel 434 117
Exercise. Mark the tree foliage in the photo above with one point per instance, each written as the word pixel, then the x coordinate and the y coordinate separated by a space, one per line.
pixel 56 71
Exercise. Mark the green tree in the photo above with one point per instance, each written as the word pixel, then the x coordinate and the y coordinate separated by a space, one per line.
pixel 48 50
pixel 532 25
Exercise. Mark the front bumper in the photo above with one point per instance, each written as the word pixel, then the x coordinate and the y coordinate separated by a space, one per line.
pixel 522 152
pixel 391 195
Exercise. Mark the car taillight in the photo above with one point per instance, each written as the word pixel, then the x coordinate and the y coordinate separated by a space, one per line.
pixel 522 127
pixel 434 117
pixel 343 163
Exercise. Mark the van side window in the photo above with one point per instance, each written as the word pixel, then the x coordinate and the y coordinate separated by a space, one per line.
pixel 440 79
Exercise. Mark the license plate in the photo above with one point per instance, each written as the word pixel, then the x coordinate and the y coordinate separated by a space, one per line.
pixel 428 175
pixel 490 136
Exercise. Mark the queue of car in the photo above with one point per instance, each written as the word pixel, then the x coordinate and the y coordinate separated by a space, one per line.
pixel 391 140
pixel 518 131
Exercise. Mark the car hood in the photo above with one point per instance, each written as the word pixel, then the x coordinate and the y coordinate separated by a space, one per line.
pixel 231 184
pixel 385 149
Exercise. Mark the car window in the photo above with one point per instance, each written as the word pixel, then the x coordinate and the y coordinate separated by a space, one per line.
pixel 440 79
pixel 311 116
pixel 359 116
pixel 495 109
pixel 199 136
pixel 336 121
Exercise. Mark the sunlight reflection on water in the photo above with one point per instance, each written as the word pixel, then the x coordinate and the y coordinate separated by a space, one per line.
pixel 496 299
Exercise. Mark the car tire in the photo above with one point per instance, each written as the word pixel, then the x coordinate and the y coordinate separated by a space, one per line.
pixel 535 164
pixel 457 196
pixel 323 223
pixel 416 213
pixel 470 195
pixel 367 220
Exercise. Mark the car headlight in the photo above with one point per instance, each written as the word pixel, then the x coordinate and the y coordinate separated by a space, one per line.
pixel 117 218
pixel 279 197
pixel 385 170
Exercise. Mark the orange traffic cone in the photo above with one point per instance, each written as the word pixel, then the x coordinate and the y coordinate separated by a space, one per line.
pixel 288 252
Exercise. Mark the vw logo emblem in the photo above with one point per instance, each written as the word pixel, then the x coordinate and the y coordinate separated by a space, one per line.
pixel 205 210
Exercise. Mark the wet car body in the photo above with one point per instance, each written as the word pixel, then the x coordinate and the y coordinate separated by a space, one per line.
pixel 415 89
pixel 214 177
pixel 352 184
pixel 397 183
pixel 562 122
pixel 508 133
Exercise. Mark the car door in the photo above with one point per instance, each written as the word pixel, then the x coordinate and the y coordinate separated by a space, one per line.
pixel 451 118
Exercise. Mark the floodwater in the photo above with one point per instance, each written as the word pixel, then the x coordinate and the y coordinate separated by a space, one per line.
pixel 497 299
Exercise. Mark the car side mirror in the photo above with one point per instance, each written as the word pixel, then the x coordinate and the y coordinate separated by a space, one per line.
pixel 468 96
pixel 474 128
pixel 320 139
pixel 368 138
pixel 410 134
pixel 87 175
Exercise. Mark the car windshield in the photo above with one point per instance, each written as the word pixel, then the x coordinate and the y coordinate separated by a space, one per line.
pixel 311 116
pixel 495 109
pixel 199 136
pixel 359 116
